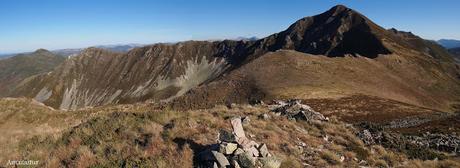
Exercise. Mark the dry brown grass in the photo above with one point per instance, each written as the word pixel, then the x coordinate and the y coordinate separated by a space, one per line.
pixel 144 136
pixel 285 74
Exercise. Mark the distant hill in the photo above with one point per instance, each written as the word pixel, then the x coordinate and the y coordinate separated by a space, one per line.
pixel 17 68
pixel 114 48
pixel 449 43
pixel 253 38
pixel 73 51
pixel 3 56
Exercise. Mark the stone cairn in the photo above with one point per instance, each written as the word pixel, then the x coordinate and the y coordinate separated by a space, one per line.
pixel 235 150
pixel 295 110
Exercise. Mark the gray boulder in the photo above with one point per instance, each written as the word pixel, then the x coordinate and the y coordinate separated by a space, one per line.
pixel 221 159
pixel 264 151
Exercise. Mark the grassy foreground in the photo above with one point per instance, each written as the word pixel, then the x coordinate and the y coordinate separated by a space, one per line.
pixel 141 135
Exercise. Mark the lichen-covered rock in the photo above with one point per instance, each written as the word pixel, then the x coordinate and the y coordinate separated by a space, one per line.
pixel 227 148
pixel 264 150
pixel 238 151
pixel 221 159
pixel 225 136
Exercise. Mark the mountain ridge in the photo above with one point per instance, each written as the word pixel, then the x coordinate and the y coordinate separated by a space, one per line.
pixel 19 67
pixel 163 72
pixel 449 43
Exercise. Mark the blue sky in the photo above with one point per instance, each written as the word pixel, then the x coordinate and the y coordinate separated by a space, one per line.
pixel 26 25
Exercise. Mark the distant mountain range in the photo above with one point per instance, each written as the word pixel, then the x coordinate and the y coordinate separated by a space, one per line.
pixel 72 51
pixel 449 43
pixel 334 54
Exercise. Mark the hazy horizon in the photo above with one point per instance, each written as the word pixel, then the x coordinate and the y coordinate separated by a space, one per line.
pixel 78 24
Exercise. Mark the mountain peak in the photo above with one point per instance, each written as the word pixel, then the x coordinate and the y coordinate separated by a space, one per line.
pixel 339 31
pixel 41 50
pixel 341 11
pixel 340 8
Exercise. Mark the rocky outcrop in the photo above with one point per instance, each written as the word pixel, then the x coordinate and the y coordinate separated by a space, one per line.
pixel 436 141
pixel 294 109
pixel 234 149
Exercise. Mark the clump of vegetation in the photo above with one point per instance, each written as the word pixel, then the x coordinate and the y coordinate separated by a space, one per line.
pixel 330 157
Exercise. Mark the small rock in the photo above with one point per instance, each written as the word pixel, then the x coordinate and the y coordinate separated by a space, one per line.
pixel 214 165
pixel 254 151
pixel 264 116
pixel 264 150
pixel 221 159
pixel 238 151
pixel 302 144
pixel 326 138
pixel 237 128
pixel 249 144
pixel 225 136
pixel 246 120
pixel 227 148
pixel 235 164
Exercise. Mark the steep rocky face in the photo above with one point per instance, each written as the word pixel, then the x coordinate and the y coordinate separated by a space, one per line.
pixel 162 72
pixel 290 74
pixel 15 69
pixel 400 61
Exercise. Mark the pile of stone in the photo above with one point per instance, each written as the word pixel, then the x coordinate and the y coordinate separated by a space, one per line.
pixel 295 110
pixel 440 142
pixel 234 149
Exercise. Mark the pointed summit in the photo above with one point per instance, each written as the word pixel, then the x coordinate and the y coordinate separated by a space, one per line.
pixel 337 32
pixel 339 8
